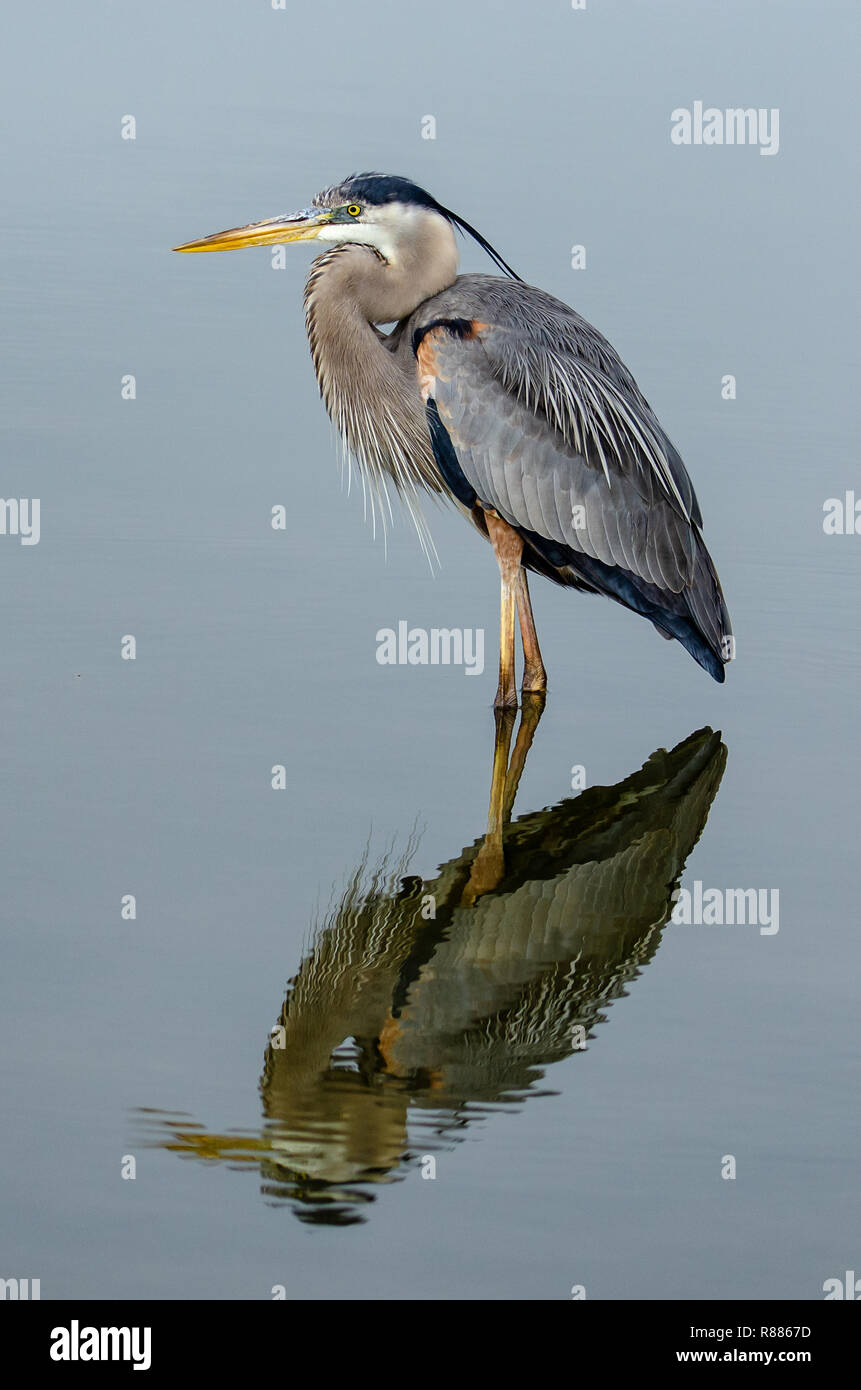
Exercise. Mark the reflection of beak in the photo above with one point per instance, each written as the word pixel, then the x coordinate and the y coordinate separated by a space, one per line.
pixel 299 226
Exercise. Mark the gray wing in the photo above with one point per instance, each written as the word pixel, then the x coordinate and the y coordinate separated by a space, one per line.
pixel 549 429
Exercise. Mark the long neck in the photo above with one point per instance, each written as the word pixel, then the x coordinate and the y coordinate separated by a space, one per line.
pixel 371 392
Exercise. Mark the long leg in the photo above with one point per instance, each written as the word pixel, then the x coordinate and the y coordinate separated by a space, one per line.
pixel 508 547
pixel 534 674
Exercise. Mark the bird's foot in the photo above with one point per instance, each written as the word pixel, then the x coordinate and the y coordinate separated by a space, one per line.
pixel 486 873
pixel 506 697
pixel 534 680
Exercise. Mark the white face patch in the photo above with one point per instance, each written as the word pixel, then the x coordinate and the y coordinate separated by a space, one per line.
pixel 384 228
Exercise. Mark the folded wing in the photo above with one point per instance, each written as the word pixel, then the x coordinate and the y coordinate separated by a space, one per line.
pixel 533 415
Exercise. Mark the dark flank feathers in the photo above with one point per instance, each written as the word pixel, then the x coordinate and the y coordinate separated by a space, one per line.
pixel 453 475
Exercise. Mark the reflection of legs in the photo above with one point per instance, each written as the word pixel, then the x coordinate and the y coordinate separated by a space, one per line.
pixel 530 714
pixel 534 674
pixel 488 866
pixel 508 547
pixel 504 719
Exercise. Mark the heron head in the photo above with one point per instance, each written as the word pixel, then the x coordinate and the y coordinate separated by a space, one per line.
pixel 384 211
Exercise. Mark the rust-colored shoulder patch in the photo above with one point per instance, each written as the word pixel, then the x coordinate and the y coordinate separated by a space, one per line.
pixel 426 358
pixel 426 350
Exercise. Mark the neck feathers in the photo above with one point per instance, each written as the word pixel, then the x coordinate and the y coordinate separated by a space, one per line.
pixel 371 391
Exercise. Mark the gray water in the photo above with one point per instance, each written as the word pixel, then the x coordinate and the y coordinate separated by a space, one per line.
pixel 415 1043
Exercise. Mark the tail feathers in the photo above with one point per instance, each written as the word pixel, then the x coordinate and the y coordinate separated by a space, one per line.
pixel 684 631
pixel 697 616
pixel 673 615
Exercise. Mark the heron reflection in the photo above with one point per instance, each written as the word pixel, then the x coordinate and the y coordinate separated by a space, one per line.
pixel 422 1003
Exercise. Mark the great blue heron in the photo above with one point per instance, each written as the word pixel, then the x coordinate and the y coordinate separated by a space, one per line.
pixel 503 398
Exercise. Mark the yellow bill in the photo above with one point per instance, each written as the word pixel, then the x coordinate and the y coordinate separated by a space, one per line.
pixel 299 226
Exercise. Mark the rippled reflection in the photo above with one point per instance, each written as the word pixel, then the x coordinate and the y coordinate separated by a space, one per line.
pixel 424 1003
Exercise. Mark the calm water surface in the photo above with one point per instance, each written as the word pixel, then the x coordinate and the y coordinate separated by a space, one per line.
pixel 573 1066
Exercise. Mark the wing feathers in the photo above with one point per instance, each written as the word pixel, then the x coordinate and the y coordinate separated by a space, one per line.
pixel 550 430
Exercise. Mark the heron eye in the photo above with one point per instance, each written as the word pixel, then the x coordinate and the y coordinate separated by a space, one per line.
pixel 354 210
